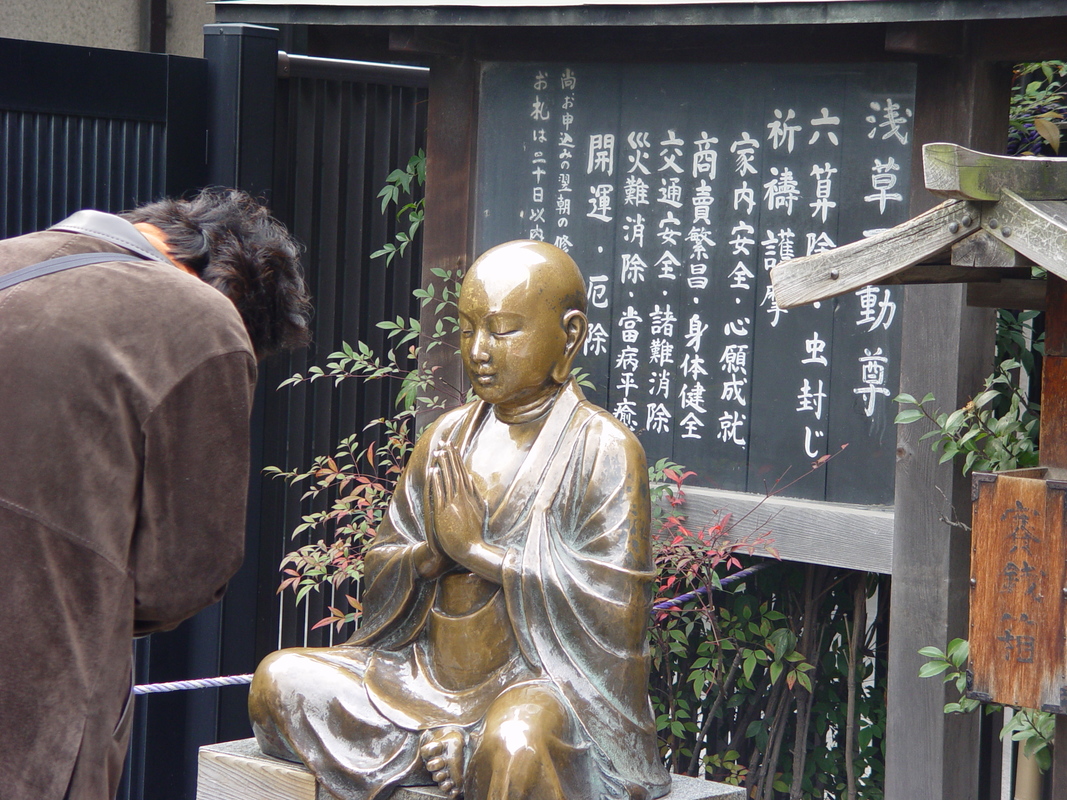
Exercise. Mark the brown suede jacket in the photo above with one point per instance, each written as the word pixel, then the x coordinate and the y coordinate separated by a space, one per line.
pixel 125 389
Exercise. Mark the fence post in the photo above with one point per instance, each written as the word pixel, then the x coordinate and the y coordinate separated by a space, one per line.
pixel 243 78
pixel 242 73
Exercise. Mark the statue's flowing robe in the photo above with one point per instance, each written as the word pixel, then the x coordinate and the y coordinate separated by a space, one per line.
pixel 576 592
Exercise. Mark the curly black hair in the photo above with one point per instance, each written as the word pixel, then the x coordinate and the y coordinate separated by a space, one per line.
pixel 233 243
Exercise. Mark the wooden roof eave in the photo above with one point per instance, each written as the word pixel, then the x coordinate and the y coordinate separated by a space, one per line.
pixel 920 250
pixel 1003 213
pixel 954 171
pixel 1035 228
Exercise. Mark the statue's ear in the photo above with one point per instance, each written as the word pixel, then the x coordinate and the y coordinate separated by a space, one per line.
pixel 576 325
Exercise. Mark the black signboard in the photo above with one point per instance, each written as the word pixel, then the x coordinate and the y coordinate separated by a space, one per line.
pixel 676 188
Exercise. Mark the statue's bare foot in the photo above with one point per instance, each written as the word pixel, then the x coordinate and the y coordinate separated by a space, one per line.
pixel 442 754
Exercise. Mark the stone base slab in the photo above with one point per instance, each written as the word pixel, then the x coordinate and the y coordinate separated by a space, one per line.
pixel 239 771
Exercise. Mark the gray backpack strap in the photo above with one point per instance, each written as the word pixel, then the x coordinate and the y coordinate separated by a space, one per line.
pixel 60 264
pixel 110 228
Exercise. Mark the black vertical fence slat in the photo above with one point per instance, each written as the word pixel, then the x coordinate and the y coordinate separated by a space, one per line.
pixel 23 155
pixel 353 104
pixel 316 414
pixel 354 403
pixel 105 171
pixel 320 420
pixel 271 504
pixel 140 165
pixel 277 412
pixel 5 164
pixel 92 181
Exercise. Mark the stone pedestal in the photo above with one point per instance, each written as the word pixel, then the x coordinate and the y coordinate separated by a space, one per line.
pixel 239 771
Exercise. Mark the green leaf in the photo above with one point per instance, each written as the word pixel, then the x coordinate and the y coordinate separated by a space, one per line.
pixel 908 416
pixel 931 652
pixel 749 665
pixel 931 668
pixel 958 651
pixel 775 671
pixel 954 420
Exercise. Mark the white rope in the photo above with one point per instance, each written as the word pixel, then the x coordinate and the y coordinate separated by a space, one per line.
pixel 202 683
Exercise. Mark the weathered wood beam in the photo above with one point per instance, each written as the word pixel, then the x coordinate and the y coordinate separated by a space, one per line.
pixel 427 41
pixel 852 266
pixel 943 38
pixel 1018 294
pixel 1037 230
pixel 949 273
pixel 1012 41
pixel 955 171
pixel 832 534
pixel 982 250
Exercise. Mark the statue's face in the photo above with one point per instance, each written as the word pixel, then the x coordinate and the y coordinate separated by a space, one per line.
pixel 511 336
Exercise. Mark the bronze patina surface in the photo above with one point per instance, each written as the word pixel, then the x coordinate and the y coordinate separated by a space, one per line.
pixel 503 649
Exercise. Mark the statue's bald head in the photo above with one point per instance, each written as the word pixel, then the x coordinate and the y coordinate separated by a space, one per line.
pixel 522 321
pixel 527 272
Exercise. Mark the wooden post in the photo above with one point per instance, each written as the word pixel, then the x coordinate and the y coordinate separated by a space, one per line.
pixel 1054 452
pixel 947 349
pixel 453 131
pixel 1059 759
pixel 1054 377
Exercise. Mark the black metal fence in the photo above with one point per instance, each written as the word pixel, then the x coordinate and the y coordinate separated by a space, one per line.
pixel 342 127
pixel 87 128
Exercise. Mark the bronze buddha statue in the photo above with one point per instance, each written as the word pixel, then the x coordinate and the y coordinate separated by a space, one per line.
pixel 503 648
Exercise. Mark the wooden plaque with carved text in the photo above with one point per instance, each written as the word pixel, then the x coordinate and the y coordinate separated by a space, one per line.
pixel 1018 562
